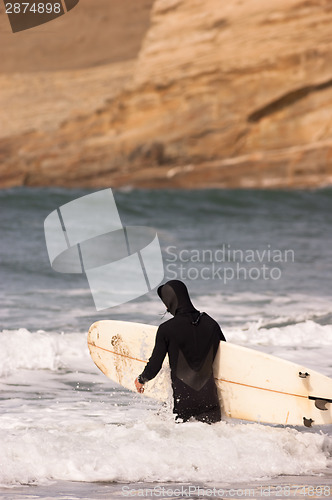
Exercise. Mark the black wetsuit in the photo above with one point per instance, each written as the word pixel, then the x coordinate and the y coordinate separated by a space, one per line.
pixel 191 340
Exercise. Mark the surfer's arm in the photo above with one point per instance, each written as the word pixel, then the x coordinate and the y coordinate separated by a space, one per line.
pixel 219 333
pixel 222 337
pixel 156 360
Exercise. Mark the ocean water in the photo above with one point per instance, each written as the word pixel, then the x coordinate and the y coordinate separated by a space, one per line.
pixel 259 262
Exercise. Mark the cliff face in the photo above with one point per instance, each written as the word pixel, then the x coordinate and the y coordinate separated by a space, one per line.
pixel 222 94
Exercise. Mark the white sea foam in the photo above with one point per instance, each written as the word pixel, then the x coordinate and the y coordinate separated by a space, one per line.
pixel 247 306
pixel 307 333
pixel 157 450
pixel 63 420
pixel 21 349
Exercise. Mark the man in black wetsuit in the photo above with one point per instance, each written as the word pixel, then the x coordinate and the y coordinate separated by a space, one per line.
pixel 191 340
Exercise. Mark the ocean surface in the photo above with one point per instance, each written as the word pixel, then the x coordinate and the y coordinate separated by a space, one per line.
pixel 259 262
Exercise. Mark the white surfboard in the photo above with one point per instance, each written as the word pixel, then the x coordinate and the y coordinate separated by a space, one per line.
pixel 251 385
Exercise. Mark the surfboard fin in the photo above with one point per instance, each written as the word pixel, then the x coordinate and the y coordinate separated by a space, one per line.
pixel 304 375
pixel 320 403
pixel 308 422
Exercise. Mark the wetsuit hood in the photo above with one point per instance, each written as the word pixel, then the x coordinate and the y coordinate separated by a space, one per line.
pixel 175 296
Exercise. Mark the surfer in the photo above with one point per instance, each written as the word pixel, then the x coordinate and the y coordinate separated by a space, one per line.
pixel 191 340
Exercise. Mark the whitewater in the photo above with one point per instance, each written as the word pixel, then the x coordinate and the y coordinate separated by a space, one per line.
pixel 69 432
pixel 64 421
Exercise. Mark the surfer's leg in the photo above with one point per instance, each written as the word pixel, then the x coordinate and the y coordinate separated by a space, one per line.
pixel 180 418
pixel 211 416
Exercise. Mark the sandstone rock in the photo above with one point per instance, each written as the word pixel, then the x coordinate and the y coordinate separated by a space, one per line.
pixel 42 101
pixel 235 94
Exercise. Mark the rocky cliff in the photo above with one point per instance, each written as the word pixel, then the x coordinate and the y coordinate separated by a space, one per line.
pixel 235 94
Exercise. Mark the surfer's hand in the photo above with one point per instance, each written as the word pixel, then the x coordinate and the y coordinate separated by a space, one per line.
pixel 139 387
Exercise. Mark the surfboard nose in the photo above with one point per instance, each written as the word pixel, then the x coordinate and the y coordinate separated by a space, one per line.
pixel 93 334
